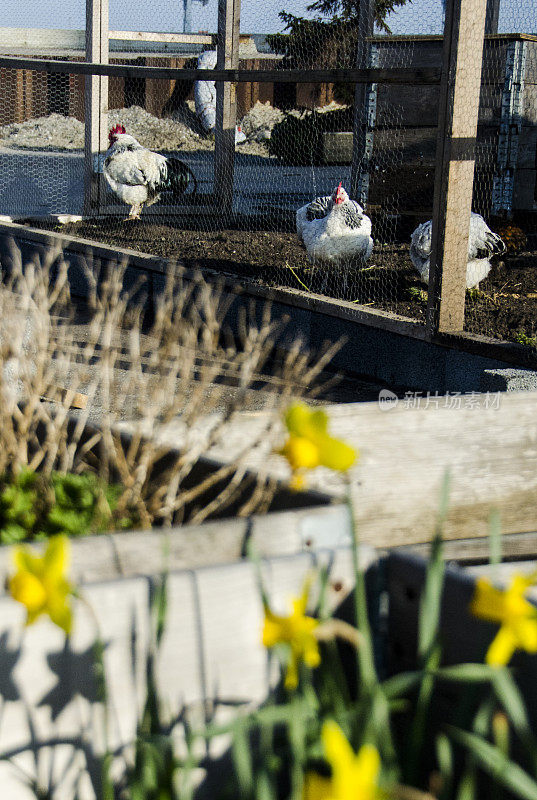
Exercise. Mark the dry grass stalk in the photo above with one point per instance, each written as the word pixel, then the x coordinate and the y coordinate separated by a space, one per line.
pixel 36 361
pixel 179 370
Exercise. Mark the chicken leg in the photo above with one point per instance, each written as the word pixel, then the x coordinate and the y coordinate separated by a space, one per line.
pixel 135 211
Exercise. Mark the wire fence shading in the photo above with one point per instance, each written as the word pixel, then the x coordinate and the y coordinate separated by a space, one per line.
pixel 334 99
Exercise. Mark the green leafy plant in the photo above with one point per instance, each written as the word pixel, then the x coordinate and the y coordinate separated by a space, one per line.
pixel 415 293
pixel 299 140
pixel 34 506
pixel 527 341
pixel 18 507
pixel 476 295
pixel 383 730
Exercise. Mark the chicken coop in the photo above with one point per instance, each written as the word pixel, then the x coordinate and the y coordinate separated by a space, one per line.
pixel 430 123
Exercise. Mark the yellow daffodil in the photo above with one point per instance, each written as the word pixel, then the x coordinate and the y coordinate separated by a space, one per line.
pixel 297 632
pixel 309 444
pixel 40 583
pixel 354 776
pixel 510 609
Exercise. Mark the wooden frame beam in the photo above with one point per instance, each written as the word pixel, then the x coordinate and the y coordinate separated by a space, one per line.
pixel 426 76
pixel 229 14
pixel 455 160
pixel 96 104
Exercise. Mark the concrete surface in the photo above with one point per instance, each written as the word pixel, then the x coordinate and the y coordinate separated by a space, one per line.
pixel 509 379
pixel 36 183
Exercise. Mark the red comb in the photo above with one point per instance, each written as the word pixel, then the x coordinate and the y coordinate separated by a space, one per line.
pixel 338 194
pixel 114 132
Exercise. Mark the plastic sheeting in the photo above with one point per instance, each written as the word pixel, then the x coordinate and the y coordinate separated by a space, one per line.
pixel 205 97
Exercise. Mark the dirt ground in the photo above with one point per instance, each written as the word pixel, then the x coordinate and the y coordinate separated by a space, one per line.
pixel 505 307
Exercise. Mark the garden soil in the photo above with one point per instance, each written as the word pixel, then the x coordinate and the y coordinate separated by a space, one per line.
pixel 504 308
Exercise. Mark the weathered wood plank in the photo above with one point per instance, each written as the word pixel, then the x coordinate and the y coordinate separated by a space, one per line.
pixel 231 619
pixel 127 555
pixel 55 677
pixel 515 546
pixel 417 145
pixel 211 649
pixel 180 670
pixel 527 147
pixel 337 147
pixel 490 453
pixel 218 542
pixel 409 51
pixel 19 96
pixel 454 174
pixel 465 638
pixel 150 36
pixel 405 453
pixel 529 111
pixel 402 106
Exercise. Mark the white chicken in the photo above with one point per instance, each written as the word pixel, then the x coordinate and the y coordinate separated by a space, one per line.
pixel 138 176
pixel 482 245
pixel 335 229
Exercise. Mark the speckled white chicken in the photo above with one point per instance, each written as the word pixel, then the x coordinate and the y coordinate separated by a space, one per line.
pixel 335 230
pixel 482 245
pixel 138 175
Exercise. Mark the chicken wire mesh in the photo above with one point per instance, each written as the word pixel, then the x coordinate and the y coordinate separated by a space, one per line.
pixel 505 189
pixel 295 143
pixel 41 143
pixel 326 127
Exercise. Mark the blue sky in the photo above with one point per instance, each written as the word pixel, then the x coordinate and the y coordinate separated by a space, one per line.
pixel 257 16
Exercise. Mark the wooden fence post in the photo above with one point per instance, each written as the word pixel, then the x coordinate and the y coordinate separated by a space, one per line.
pixel 365 25
pixel 455 161
pixel 229 13
pixel 96 104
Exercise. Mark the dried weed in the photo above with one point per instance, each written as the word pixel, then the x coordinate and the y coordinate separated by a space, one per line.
pixel 169 392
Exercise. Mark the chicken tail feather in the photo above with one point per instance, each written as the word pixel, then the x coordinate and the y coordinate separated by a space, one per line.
pixel 178 178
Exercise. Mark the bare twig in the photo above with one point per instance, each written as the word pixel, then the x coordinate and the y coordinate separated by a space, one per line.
pixel 183 370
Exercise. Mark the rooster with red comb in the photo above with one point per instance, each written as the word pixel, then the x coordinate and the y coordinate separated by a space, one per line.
pixel 139 176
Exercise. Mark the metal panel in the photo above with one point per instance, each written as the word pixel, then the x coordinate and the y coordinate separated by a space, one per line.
pixel 510 127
